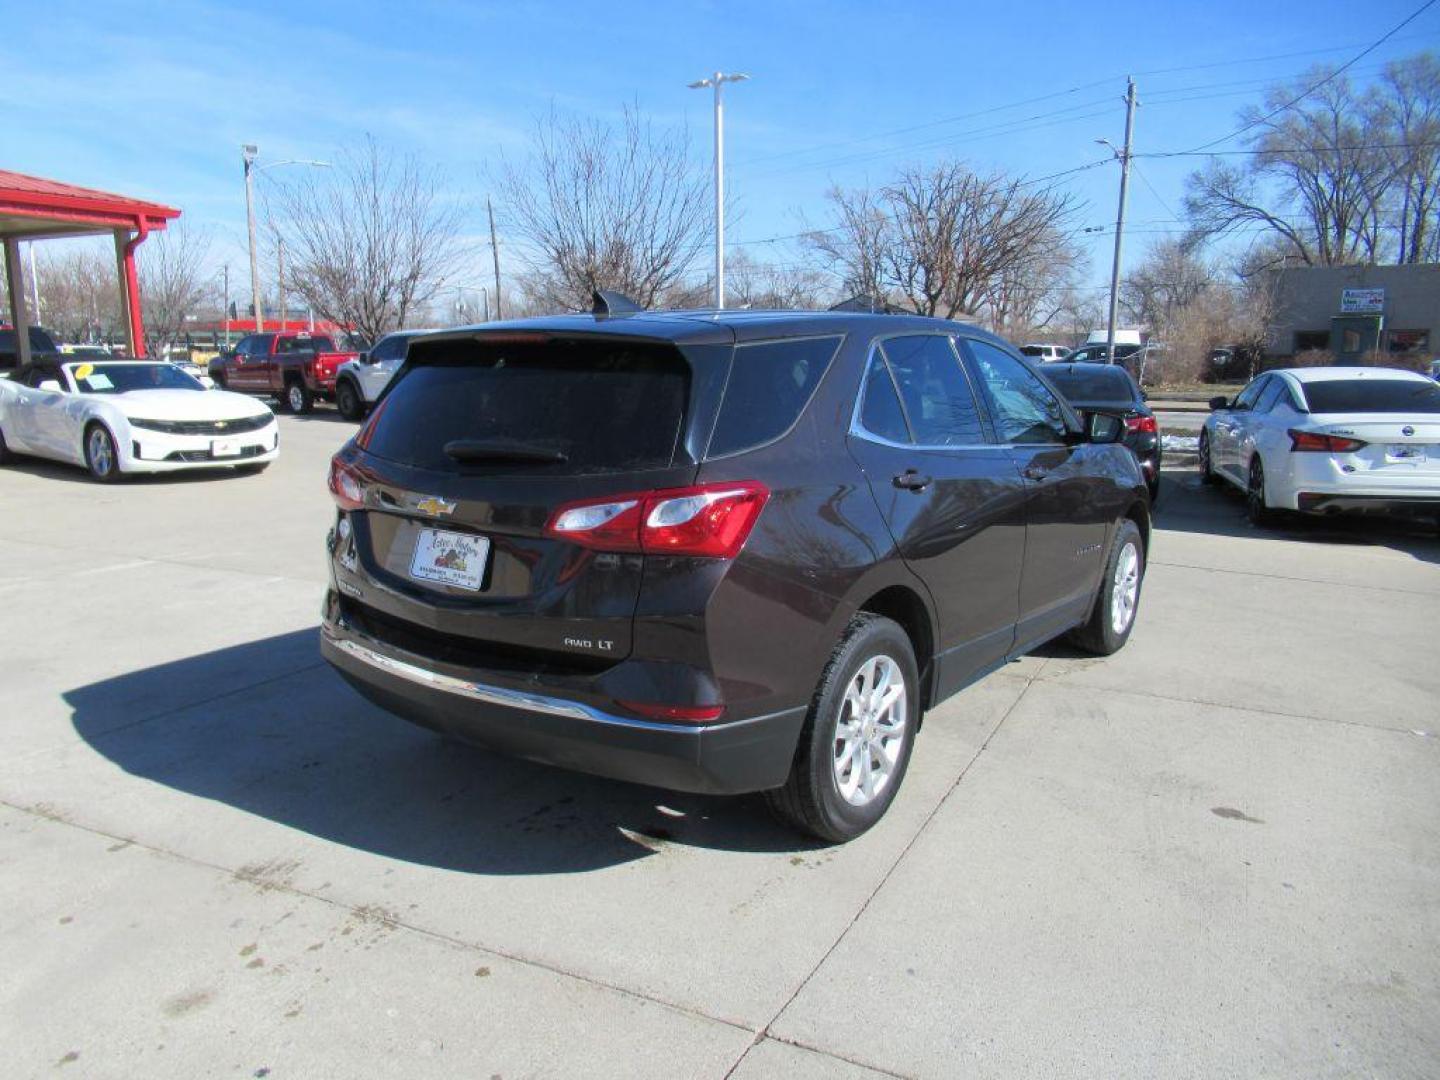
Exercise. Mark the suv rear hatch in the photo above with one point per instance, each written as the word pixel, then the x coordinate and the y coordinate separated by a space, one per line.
pixel 477 445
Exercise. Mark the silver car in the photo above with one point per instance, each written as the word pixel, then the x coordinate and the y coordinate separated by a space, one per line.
pixel 359 382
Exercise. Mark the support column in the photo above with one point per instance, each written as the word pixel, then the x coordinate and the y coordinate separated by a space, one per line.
pixel 122 237
pixel 15 282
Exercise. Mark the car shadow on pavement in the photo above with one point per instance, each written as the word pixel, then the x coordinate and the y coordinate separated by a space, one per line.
pixel 77 474
pixel 1187 505
pixel 277 734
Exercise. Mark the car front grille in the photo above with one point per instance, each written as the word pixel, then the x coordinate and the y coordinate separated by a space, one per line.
pixel 205 427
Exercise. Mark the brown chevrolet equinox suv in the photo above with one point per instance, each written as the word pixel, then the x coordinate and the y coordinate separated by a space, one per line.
pixel 723 552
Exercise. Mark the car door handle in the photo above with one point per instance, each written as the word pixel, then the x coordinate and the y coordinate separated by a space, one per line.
pixel 1036 472
pixel 911 480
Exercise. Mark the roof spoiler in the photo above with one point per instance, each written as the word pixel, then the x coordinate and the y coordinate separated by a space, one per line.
pixel 607 305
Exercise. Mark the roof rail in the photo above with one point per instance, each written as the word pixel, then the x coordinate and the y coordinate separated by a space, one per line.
pixel 609 304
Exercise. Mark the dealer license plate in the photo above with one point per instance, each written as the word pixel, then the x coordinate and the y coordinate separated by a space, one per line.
pixel 225 447
pixel 450 558
pixel 1405 452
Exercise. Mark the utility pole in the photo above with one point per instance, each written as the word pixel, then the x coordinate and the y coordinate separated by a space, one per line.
pixel 494 254
pixel 248 153
pixel 225 311
pixel 718 80
pixel 1124 156
pixel 280 251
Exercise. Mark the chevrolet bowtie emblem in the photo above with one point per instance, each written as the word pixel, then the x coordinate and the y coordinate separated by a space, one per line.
pixel 434 505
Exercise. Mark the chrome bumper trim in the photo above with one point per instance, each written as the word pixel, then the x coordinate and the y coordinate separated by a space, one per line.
pixel 495 695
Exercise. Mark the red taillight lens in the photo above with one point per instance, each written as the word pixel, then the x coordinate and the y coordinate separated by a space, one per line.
pixel 1141 423
pixel 676 714
pixel 1324 444
pixel 710 521
pixel 345 486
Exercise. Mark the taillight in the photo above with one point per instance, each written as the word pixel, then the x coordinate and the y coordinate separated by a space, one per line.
pixel 1324 444
pixel 1141 423
pixel 345 486
pixel 711 520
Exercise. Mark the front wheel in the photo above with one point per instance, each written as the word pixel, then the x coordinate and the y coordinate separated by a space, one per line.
pixel 100 456
pixel 298 398
pixel 348 401
pixel 856 742
pixel 1113 616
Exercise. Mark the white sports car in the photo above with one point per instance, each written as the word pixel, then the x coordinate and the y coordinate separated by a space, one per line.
pixel 130 416
pixel 1328 440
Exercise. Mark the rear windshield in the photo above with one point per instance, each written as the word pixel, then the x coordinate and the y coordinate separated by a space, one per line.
pixel 1373 396
pixel 770 382
pixel 606 406
pixel 1098 383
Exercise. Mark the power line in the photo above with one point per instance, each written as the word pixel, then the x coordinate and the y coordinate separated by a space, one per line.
pixel 1327 79
pixel 1290 150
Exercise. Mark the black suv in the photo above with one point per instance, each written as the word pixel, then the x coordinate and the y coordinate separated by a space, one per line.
pixel 721 551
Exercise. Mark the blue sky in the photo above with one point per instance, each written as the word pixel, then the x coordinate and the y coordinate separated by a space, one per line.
pixel 154 99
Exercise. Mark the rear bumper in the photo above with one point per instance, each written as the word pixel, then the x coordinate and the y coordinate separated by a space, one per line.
pixel 520 719
pixel 1318 502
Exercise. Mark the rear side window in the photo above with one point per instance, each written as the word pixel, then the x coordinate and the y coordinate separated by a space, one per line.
pixel 880 411
pixel 770 384
pixel 1373 396
pixel 934 390
pixel 606 406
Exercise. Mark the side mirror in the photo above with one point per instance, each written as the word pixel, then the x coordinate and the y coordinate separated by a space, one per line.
pixel 1104 428
pixel 53 386
pixel 366 357
pixel 1217 403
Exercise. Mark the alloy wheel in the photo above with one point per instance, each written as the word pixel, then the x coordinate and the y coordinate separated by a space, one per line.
pixel 1125 589
pixel 102 452
pixel 870 729
pixel 296 397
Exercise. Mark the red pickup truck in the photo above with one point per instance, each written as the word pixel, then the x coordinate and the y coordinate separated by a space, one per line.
pixel 296 368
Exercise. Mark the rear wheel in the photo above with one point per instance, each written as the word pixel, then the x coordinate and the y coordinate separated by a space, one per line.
pixel 1114 614
pixel 5 455
pixel 856 742
pixel 1257 509
pixel 348 401
pixel 298 398
pixel 100 456
pixel 1207 470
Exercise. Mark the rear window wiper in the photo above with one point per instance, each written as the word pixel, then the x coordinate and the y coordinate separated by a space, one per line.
pixel 503 450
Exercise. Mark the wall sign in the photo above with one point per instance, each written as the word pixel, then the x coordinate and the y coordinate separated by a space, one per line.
pixel 1362 301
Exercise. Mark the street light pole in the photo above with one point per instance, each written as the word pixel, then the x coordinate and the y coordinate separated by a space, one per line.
pixel 1124 156
pixel 249 152
pixel 718 80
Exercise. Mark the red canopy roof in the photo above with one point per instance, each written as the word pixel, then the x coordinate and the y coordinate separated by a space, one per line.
pixel 31 204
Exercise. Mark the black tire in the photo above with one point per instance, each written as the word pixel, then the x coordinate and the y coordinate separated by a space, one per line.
pixel 348 401
pixel 1153 486
pixel 1256 508
pixel 5 455
pixel 101 456
pixel 1207 470
pixel 297 398
pixel 1105 632
pixel 812 800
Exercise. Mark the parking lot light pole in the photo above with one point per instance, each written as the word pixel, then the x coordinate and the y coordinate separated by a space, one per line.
pixel 717 81
pixel 249 152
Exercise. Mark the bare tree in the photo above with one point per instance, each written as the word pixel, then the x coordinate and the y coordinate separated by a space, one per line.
pixel 1171 276
pixel 371 241
pixel 173 283
pixel 606 208
pixel 1339 176
pixel 1412 112
pixel 81 291
pixel 749 284
pixel 1029 296
pixel 941 239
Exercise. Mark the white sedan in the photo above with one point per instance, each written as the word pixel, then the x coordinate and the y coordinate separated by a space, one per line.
pixel 1328 440
pixel 130 416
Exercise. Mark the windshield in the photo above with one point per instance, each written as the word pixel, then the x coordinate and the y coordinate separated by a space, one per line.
pixel 1092 382
pixel 1373 396
pixel 122 378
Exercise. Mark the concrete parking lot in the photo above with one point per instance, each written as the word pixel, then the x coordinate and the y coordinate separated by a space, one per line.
pixel 1214 854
